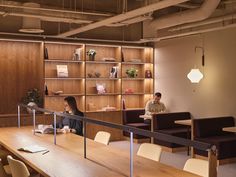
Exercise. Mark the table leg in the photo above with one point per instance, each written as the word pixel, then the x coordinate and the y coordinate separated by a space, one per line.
pixel 152 139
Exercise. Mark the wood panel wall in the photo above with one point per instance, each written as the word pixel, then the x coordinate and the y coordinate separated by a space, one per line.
pixel 21 68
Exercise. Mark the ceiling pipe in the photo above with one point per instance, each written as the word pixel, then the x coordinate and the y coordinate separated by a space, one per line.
pixel 124 16
pixel 46 17
pixel 205 22
pixel 10 5
pixel 206 9
pixel 233 25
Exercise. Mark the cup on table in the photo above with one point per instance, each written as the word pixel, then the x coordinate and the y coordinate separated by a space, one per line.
pixel 66 128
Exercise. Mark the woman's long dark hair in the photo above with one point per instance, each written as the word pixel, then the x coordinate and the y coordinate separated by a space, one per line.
pixel 72 103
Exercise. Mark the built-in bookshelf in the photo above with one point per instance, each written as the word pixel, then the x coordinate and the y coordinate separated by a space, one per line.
pixel 86 75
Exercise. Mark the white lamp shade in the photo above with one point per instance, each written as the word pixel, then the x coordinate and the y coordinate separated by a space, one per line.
pixel 195 75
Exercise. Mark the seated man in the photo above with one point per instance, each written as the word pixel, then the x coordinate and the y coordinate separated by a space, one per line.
pixel 154 105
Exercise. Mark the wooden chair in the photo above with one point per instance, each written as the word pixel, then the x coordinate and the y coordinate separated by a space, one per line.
pixel 197 166
pixel 17 167
pixel 102 137
pixel 150 151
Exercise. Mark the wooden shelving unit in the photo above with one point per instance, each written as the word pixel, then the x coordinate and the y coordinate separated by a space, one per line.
pixel 84 75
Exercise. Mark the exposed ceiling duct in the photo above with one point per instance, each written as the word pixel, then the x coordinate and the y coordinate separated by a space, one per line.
pixel 124 16
pixel 206 9
pixel 29 24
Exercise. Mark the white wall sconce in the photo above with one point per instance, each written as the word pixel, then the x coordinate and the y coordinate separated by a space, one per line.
pixel 195 74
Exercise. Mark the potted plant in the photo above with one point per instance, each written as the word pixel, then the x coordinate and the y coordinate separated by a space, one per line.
pixel 132 72
pixel 33 98
pixel 91 53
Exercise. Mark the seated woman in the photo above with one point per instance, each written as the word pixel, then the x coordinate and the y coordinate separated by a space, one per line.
pixel 76 126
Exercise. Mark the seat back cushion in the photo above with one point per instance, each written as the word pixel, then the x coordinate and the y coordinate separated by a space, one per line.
pixel 132 116
pixel 167 120
pixel 207 127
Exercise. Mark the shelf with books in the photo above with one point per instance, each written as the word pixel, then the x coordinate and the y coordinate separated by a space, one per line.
pixel 73 70
pixel 63 51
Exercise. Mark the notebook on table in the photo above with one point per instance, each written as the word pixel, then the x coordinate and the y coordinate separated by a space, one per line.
pixel 33 149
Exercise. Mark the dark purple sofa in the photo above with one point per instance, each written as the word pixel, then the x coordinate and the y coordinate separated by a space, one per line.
pixel 131 118
pixel 210 130
pixel 165 123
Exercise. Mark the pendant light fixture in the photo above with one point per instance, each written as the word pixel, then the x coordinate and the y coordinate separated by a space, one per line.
pixel 195 74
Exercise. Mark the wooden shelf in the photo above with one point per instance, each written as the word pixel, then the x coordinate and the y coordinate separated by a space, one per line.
pixel 63 61
pixel 102 78
pixel 133 78
pixel 130 94
pixel 102 62
pixel 104 94
pixel 64 95
pixel 63 78
pixel 133 63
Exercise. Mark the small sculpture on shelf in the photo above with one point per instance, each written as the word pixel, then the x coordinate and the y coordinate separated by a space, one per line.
pixel 132 72
pixel 129 91
pixel 76 55
pixel 101 88
pixel 91 53
pixel 114 72
pixel 94 75
pixel 148 73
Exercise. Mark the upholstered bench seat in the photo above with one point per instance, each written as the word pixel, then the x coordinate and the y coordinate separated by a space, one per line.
pixel 225 145
pixel 209 130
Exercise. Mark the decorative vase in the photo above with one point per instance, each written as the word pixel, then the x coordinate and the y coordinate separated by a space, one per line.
pixel 91 57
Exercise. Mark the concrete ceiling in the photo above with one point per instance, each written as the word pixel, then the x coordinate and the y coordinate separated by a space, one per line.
pixel 60 16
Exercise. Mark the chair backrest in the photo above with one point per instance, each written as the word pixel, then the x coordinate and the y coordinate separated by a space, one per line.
pixel 2 171
pixel 197 166
pixel 150 151
pixel 102 137
pixel 18 168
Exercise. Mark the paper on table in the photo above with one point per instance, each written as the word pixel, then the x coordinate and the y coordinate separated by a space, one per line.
pixel 33 148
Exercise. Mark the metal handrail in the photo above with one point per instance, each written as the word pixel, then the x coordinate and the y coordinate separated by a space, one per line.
pixel 132 130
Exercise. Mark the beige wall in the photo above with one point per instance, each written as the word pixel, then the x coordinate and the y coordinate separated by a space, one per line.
pixel 215 95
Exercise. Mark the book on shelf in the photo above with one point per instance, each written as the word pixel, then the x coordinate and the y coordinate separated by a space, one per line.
pixel 33 148
pixel 62 71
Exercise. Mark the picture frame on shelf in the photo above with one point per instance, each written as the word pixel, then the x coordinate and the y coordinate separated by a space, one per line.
pixel 62 71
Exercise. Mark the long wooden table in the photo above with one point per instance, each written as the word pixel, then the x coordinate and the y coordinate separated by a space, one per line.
pixel 66 158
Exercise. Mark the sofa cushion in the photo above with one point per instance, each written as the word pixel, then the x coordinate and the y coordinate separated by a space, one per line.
pixel 140 125
pixel 225 145
pixel 209 127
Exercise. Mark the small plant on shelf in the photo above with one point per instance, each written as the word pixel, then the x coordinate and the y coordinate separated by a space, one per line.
pixel 132 72
pixel 91 53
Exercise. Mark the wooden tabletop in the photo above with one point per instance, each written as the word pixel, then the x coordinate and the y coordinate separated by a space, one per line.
pixel 146 116
pixel 230 129
pixel 184 122
pixel 66 158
